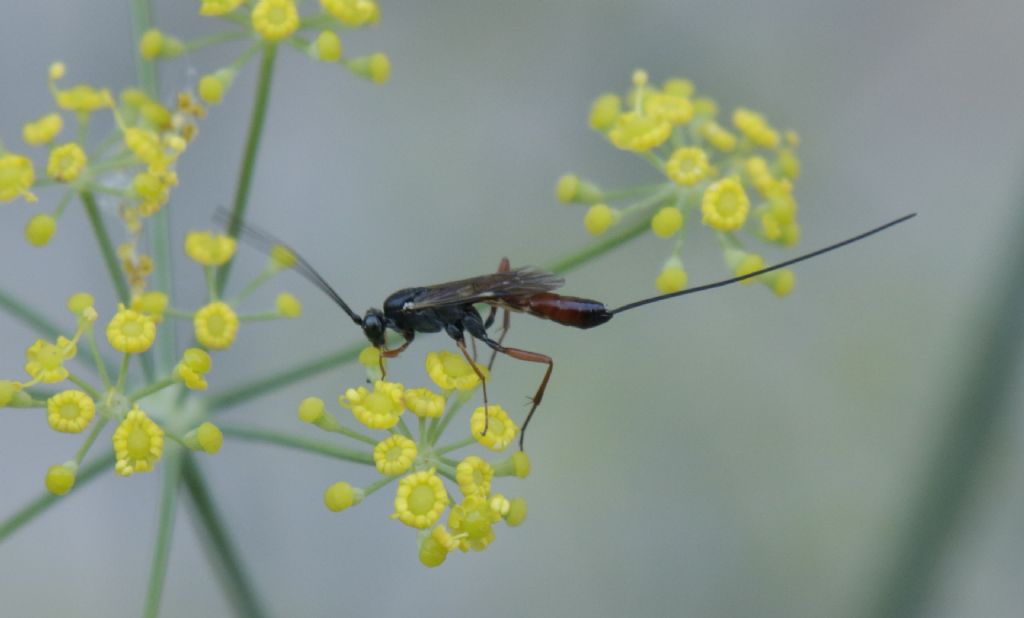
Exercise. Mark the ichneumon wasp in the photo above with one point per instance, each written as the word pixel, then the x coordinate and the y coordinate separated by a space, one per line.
pixel 451 306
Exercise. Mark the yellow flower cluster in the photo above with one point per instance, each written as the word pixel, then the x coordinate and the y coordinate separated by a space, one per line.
pixel 732 174
pixel 420 463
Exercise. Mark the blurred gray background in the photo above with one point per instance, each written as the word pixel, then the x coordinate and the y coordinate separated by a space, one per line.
pixel 729 454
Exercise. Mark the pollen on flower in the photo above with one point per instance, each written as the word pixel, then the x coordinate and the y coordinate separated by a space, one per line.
pixel 353 13
pixel 61 478
pixel 45 361
pixel 420 499
pixel 672 277
pixel 216 325
pixel 210 249
pixel 66 162
pixel 667 222
pixel 474 475
pixel 452 371
pixel 725 205
pixel 70 411
pixel 472 521
pixel 138 443
pixel 16 178
pixel 638 133
pixel 394 455
pixel 501 431
pixel 43 130
pixel 423 402
pixel 275 19
pixel 288 306
pixel 687 166
pixel 599 218
pixel 377 409
pixel 40 229
pixel 130 331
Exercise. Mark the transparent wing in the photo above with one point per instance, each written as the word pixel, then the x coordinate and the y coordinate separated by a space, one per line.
pixel 524 281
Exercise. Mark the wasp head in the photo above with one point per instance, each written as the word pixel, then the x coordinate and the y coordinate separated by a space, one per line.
pixel 373 327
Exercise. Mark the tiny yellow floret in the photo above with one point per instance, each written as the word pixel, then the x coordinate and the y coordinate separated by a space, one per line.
pixel 435 548
pixel 61 478
pixel 394 455
pixel 311 409
pixel 521 464
pixel 725 205
pixel 341 496
pixel 66 162
pixel 673 109
pixel 604 111
pixel 638 133
pixel 420 499
pixel 599 218
pixel 213 8
pixel 750 262
pixel 209 437
pixel 78 303
pixel 151 43
pixel 130 331
pixel 472 522
pixel 327 47
pixel 377 409
pixel 672 277
pixel 781 282
pixel 43 130
pixel 211 89
pixel 216 325
pixel 516 512
pixel 667 222
pixel 718 136
pixel 288 306
pixel 8 389
pixel 755 127
pixel 474 475
pixel 423 402
pixel 452 371
pixel 16 177
pixel 153 304
pixel 275 19
pixel 70 411
pixel 687 166
pixel 39 230
pixel 138 443
pixel 210 249
pixel 282 257
pixel 501 431
pixel 45 361
pixel 353 13
pixel 566 188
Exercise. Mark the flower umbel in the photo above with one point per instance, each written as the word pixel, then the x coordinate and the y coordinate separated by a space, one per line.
pixel 138 443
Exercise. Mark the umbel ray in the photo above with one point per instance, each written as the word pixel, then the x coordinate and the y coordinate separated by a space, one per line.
pixel 451 306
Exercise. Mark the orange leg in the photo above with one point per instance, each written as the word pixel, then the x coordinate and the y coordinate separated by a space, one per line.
pixel 386 353
pixel 533 357
pixel 483 382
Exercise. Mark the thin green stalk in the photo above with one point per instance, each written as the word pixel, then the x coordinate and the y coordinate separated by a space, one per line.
pixel 378 484
pixel 305 444
pixel 459 401
pixel 270 383
pixel 97 429
pixel 106 248
pixel 29 316
pixel 28 512
pixel 94 351
pixel 980 408
pixel 455 445
pixel 260 317
pixel 216 39
pixel 221 551
pixel 145 70
pixel 165 529
pixel 355 435
pixel 152 388
pixel 163 279
pixel 122 373
pixel 252 146
pixel 85 386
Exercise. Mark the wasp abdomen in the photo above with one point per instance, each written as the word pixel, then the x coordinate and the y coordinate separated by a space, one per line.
pixel 568 310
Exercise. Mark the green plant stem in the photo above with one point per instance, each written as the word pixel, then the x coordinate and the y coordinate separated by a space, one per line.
pixel 981 407
pixel 455 446
pixel 152 388
pixel 145 70
pixel 97 429
pixel 94 351
pixel 85 386
pixel 314 446
pixel 355 435
pixel 106 248
pixel 171 467
pixel 28 512
pixel 221 551
pixel 270 383
pixel 252 146
pixel 122 373
pixel 216 39
pixel 457 404
pixel 29 316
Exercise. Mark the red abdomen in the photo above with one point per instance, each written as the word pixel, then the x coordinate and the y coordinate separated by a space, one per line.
pixel 568 310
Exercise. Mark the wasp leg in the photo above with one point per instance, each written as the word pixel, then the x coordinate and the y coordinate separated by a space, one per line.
pixel 483 382
pixel 475 328
pixel 386 353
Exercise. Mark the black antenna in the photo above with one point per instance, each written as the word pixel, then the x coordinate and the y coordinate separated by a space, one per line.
pixel 795 260
pixel 264 241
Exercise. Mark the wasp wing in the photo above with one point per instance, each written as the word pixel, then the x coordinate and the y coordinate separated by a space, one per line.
pixel 524 281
